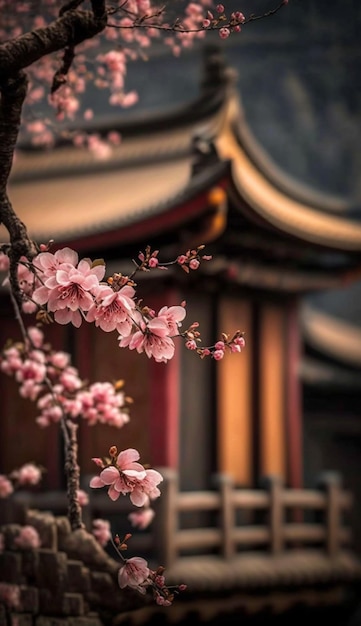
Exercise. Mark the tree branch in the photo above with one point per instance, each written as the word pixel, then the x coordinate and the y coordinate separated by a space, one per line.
pixel 12 96
pixel 70 29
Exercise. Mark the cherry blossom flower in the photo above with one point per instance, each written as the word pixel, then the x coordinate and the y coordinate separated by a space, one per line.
pixel 134 573
pixel 111 309
pixel 28 474
pixel 6 487
pixel 120 477
pixel 27 538
pixel 101 531
pixel 126 476
pixel 141 519
pixel 173 316
pixel 153 339
pixel 67 289
pixel 83 497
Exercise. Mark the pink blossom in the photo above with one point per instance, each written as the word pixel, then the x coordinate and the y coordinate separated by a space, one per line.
pixel 141 519
pixel 111 309
pixel 146 488
pixel 28 474
pixel 83 497
pixel 134 573
pixel 36 336
pixel 59 359
pixel 240 341
pixel 224 33
pixel 194 264
pixel 6 487
pixel 153 339
pixel 173 317
pixel 121 477
pixel 218 355
pixel 101 403
pixel 67 289
pixel 10 595
pixel 4 262
pixel 27 538
pixel 101 531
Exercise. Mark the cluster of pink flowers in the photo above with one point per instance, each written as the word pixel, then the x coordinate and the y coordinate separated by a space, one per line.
pixel 101 531
pixel 27 475
pixel 136 574
pixel 28 538
pixel 61 287
pixel 232 25
pixel 46 376
pixel 131 28
pixel 233 343
pixel 122 475
pixel 10 595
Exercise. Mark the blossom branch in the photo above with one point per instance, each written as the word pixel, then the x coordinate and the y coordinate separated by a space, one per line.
pixel 220 23
pixel 70 29
pixel 72 472
pixel 12 95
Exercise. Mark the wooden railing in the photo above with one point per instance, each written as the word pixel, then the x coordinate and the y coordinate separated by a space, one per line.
pixel 272 518
pixel 275 534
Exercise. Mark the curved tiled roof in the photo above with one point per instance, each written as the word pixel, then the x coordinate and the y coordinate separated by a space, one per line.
pixel 280 209
pixel 333 337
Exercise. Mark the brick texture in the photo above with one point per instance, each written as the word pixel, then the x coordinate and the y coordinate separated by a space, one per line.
pixel 69 581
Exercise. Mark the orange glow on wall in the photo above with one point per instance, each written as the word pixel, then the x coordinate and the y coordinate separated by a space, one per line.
pixel 234 380
pixel 272 395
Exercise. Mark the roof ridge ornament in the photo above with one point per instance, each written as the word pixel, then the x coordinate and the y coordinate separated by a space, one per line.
pixel 216 71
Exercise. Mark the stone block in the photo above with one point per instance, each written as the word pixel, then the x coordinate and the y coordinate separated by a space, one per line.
pixel 48 620
pixel 10 533
pixel 101 582
pixel 45 524
pixel 52 570
pixel 50 602
pixel 29 600
pixel 10 568
pixel 3 620
pixel 21 619
pixel 78 576
pixel 73 604
pixel 30 565
pixel 63 531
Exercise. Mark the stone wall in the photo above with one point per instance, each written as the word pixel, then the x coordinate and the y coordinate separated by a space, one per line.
pixel 69 581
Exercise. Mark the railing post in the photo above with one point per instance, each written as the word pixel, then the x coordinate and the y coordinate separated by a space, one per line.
pixel 166 518
pixel 226 486
pixel 330 482
pixel 274 484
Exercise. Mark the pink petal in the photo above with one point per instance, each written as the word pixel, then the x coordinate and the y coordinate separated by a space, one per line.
pixel 113 493
pixel 96 482
pixel 109 475
pixel 127 456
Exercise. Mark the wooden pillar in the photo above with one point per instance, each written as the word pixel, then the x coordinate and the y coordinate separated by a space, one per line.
pixel 234 392
pixel 293 398
pixel 272 392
